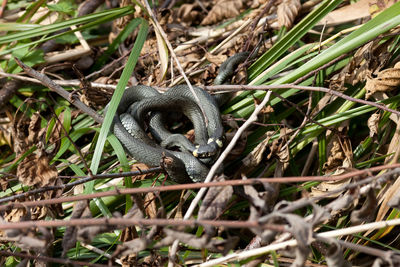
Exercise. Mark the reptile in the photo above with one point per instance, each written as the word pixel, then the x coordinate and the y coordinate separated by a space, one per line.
pixel 138 101
pixel 184 166
pixel 211 111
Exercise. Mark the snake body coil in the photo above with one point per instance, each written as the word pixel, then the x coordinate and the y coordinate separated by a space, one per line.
pixel 182 166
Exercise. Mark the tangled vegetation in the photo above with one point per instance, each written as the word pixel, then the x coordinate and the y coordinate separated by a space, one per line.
pixel 310 166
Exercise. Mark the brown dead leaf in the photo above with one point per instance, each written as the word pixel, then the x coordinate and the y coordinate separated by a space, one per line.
pixel 299 228
pixel 357 10
pixel 15 215
pixel 80 210
pixel 347 13
pixel 287 12
pixel 377 6
pixel 96 97
pixel 119 24
pixel 162 55
pixel 128 234
pixel 188 60
pixel 35 169
pixel 4 183
pixel 263 201
pixel 150 205
pixel 214 203
pixel 224 9
pixel 139 167
pixel 368 59
pixel 385 198
pixel 214 245
pixel 336 157
pixel 386 81
pixel 129 260
pixel 31 238
pixel 340 154
pixel 257 3
pixel 367 212
pixel 333 254
pixel 254 158
pixel 216 59
pixel 328 186
pixel 189 13
pixel 339 161
pixel 278 144
pixel 373 122
pixel 394 201
pixel 341 203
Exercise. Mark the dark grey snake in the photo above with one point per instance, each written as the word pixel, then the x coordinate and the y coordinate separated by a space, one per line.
pixel 182 166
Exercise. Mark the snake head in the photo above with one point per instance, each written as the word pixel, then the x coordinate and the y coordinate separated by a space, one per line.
pixel 210 149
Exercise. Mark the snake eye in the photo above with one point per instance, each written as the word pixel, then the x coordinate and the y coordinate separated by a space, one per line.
pixel 219 143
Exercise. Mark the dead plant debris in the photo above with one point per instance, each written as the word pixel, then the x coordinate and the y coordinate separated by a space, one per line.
pixel 336 215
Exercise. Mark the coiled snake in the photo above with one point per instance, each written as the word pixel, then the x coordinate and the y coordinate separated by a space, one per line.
pixel 189 164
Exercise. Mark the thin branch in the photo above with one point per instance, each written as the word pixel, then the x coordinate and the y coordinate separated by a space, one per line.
pixel 70 97
pixel 81 180
pixel 311 73
pixel 367 182
pixel 122 222
pixel 291 243
pixel 364 249
pixel 355 174
pixel 59 82
pixel 50 259
pixel 235 88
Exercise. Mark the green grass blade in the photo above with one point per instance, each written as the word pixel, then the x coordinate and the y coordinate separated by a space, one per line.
pixel 119 150
pixel 48 29
pixel 386 20
pixel 126 74
pixel 13 26
pixel 290 39
pixel 120 38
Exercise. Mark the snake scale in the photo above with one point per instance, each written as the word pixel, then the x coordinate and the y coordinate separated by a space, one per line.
pixel 189 164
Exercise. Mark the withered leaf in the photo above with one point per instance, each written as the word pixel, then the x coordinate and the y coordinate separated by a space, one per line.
pixel 132 247
pixel 259 200
pixel 373 122
pixel 150 205
pixel 301 231
pixel 340 154
pixel 37 239
pixel 188 13
pixel 366 61
pixel 367 212
pixel 328 186
pixel 86 234
pixel 254 158
pixel 80 210
pixel 214 203
pixel 386 80
pixel 214 245
pixel 216 59
pixel 287 12
pixel 224 9
pixel 36 169
pixel 334 255
pixel 341 203
pixel 394 202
